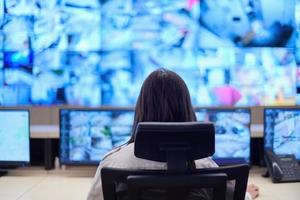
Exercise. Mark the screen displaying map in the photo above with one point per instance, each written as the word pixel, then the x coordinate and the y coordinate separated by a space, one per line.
pixel 14 136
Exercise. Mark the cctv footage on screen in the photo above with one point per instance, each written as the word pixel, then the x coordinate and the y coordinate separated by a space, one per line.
pixel 77 52
pixel 232 128
pixel 87 135
pixel 282 131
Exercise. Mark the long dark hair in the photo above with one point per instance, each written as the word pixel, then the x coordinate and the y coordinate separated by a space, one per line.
pixel 164 97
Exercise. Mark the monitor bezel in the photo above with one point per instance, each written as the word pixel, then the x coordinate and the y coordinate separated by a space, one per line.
pixel 87 109
pixel 231 160
pixel 281 108
pixel 15 163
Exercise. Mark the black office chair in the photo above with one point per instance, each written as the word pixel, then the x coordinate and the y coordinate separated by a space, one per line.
pixel 177 144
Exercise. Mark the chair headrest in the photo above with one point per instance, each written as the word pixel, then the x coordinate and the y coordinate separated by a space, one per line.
pixel 153 138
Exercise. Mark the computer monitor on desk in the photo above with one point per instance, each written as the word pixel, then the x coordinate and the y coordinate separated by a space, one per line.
pixel 232 128
pixel 86 135
pixel 14 137
pixel 282 130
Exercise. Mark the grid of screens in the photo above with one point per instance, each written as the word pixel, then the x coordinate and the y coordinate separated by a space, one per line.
pixel 232 127
pixel 282 130
pixel 14 137
pixel 230 52
pixel 87 135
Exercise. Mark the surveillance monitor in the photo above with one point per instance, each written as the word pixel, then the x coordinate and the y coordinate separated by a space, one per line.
pixel 232 128
pixel 14 137
pixel 87 135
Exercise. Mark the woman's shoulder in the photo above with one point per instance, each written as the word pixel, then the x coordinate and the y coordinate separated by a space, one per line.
pixel 121 149
pixel 123 157
pixel 205 163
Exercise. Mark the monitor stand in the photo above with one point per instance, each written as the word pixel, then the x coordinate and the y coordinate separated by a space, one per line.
pixel 3 172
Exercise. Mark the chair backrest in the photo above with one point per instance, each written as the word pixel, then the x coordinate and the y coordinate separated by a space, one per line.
pixel 174 143
pixel 120 182
pixel 177 144
pixel 177 186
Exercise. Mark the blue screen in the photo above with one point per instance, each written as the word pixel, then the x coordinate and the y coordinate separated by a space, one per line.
pixel 78 52
pixel 87 135
pixel 14 136
pixel 247 23
pixel 232 128
pixel 281 131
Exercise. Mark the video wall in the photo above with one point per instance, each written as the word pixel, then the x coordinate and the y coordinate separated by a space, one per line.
pixel 98 52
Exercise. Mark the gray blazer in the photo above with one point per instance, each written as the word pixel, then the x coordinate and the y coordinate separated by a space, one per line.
pixel 123 158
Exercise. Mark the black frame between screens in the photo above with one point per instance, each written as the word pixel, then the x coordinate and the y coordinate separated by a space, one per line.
pixel 105 109
pixel 230 161
pixel 282 108
pixel 18 163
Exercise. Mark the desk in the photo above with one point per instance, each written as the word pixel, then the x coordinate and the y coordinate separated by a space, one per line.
pixel 52 131
pixel 75 184
pixel 44 131
pixel 36 184
pixel 273 191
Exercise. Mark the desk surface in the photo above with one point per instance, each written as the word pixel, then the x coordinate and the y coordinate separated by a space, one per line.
pixel 271 191
pixel 59 185
pixel 52 131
